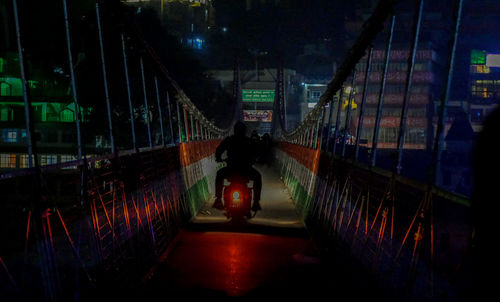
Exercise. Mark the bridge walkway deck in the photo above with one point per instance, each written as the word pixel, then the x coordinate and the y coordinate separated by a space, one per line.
pixel 272 257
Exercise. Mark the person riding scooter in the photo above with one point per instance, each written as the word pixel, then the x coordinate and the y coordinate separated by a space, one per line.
pixel 241 155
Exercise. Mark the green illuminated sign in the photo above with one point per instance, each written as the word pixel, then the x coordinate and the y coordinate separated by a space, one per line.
pixel 477 57
pixel 257 95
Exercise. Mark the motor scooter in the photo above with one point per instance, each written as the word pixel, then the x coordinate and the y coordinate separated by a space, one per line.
pixel 237 197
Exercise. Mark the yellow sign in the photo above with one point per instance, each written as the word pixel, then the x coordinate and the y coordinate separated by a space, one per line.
pixel 346 102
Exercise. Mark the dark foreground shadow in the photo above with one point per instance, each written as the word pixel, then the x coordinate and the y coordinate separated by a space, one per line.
pixel 285 265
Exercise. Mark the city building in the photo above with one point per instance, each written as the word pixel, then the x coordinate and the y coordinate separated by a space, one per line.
pixel 188 20
pixel 54 119
pixel 484 86
pixel 425 91
pixel 477 76
pixel 427 82
pixel 311 95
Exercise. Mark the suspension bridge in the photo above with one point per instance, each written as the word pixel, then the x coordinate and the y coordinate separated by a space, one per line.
pixel 137 224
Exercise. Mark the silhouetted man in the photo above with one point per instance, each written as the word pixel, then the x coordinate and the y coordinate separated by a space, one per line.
pixel 241 155
pixel 483 280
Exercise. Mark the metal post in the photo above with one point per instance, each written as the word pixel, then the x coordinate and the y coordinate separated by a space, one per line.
pixel 192 127
pixel 406 100
pixel 179 123
pixel 329 126
pixel 73 82
pixel 160 112
pixel 146 106
pixel 170 119
pixel 311 136
pixel 129 93
pixel 186 125
pixel 32 154
pixel 320 133
pixel 381 93
pixel 105 79
pixel 306 137
pixel 337 120
pixel 348 113
pixel 363 102
pixel 314 144
pixel 282 96
pixel 36 200
pixel 198 136
pixel 438 142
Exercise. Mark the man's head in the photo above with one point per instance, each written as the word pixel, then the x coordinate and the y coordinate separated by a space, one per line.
pixel 240 129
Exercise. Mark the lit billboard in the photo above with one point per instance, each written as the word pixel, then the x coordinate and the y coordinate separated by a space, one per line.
pixel 493 60
pixel 257 95
pixel 257 115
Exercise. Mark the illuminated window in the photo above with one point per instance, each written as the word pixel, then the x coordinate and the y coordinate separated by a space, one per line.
pixel 315 95
pixel 481 92
pixel 485 89
pixel 67 116
pixel 479 69
pixel 48 159
pixel 388 135
pixel 12 136
pixel 476 115
pixel 477 57
pixel 8 161
pixel 66 158
pixel 9 135
pixel 24 162
pixel 415 136
pixel 5 115
pixel 22 136
pixel 5 89
pixel 32 84
pixel 196 43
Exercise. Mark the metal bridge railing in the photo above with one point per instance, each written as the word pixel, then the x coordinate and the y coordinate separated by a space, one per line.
pixel 412 235
pixel 132 207
pixel 72 230
pixel 413 239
